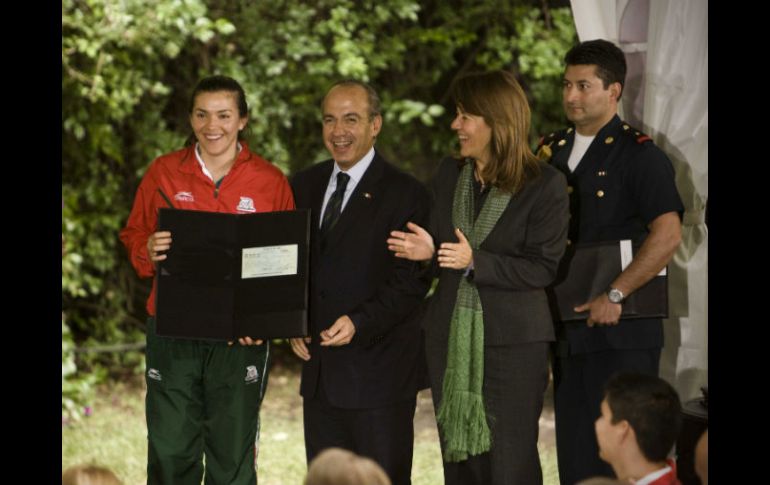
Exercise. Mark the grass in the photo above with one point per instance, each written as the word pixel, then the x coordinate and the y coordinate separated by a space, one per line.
pixel 115 435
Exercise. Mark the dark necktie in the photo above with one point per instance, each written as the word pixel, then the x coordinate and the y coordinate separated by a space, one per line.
pixel 334 206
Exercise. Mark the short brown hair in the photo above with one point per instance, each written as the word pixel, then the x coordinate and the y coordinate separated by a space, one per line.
pixel 373 99
pixel 652 408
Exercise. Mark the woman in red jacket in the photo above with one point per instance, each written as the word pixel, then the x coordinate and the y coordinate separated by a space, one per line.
pixel 203 397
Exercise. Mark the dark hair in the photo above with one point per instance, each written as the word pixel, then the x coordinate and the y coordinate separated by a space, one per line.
pixel 498 98
pixel 373 99
pixel 609 60
pixel 651 407
pixel 214 84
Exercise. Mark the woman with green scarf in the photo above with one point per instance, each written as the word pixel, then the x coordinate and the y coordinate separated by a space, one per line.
pixel 499 221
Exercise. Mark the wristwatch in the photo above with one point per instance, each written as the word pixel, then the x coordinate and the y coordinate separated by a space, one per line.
pixel 615 295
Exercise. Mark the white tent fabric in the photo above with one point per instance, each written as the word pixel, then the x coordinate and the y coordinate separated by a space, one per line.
pixel 671 105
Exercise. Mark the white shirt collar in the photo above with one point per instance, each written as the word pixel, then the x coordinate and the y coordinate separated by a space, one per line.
pixel 357 170
pixel 647 479
pixel 203 165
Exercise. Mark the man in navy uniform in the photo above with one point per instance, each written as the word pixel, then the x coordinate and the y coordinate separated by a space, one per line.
pixel 621 187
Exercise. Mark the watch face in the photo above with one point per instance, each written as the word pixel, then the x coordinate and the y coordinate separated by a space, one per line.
pixel 615 295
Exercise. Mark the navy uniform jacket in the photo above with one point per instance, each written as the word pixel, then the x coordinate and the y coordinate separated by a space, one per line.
pixel 622 183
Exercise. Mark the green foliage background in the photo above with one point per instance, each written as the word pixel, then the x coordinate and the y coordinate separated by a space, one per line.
pixel 128 68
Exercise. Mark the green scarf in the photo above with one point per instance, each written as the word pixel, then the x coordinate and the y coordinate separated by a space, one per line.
pixel 461 414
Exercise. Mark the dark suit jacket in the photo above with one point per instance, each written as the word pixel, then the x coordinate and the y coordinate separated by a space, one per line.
pixel 513 265
pixel 354 274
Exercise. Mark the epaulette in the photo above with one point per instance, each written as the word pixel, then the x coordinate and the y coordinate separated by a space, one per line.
pixel 544 151
pixel 637 135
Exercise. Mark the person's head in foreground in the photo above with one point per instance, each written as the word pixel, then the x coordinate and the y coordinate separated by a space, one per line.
pixel 89 475
pixel 335 466
pixel 639 424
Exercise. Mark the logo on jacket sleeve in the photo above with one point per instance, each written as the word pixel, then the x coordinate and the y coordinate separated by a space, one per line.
pixel 246 205
pixel 184 196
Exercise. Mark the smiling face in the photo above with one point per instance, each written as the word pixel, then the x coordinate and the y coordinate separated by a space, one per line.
pixel 348 131
pixel 587 103
pixel 474 134
pixel 215 121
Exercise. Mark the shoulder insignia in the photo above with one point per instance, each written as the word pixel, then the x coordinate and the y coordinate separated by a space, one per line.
pixel 642 138
pixel 544 146
pixel 637 135
pixel 544 152
pixel 547 139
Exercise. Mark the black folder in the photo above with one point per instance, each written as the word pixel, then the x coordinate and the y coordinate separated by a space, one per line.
pixel 234 275
pixel 587 270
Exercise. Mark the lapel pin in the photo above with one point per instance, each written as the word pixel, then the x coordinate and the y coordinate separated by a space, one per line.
pixel 367 195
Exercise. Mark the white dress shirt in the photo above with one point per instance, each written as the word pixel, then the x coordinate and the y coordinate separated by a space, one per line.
pixel 356 172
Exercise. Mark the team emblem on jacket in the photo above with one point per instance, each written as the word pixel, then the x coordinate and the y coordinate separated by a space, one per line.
pixel 184 196
pixel 246 205
pixel 252 375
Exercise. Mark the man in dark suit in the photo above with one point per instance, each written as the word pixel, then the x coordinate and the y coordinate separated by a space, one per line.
pixel 621 187
pixel 363 360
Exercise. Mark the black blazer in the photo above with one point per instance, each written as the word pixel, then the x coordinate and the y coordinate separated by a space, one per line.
pixel 513 265
pixel 354 274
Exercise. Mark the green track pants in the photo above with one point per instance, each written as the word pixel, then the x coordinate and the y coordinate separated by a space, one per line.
pixel 203 400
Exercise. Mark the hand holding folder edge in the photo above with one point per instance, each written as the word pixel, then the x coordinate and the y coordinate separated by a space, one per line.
pixel 213 285
pixel 587 270
pixel 160 241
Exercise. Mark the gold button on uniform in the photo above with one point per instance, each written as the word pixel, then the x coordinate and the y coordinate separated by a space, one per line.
pixel 600 193
pixel 570 189
pixel 569 130
pixel 562 143
pixel 569 242
pixel 625 127
pixel 544 153
pixel 608 140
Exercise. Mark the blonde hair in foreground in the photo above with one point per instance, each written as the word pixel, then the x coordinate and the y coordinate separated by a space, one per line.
pixel 89 475
pixel 335 466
